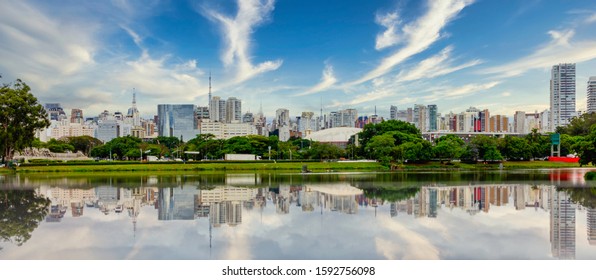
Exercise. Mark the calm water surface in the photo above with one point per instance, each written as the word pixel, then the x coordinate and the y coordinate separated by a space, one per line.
pixel 543 214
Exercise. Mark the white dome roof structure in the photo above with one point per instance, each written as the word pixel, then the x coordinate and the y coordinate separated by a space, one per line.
pixel 336 134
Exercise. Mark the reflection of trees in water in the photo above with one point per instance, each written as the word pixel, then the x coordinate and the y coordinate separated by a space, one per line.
pixel 583 196
pixel 391 194
pixel 20 214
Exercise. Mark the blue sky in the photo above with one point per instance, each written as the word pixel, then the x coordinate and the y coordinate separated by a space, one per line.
pixel 493 55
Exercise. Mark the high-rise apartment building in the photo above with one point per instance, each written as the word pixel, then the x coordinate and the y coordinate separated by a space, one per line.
pixel 498 123
pixel 217 109
pixel 420 117
pixel 591 94
pixel 432 117
pixel 393 112
pixel 233 110
pixel 76 116
pixel 55 111
pixel 202 113
pixel 344 118
pixel 519 122
pixel 562 94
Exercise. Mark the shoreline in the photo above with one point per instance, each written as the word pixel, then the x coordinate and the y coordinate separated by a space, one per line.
pixel 87 167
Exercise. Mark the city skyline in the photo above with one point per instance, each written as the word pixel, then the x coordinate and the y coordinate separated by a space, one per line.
pixel 94 56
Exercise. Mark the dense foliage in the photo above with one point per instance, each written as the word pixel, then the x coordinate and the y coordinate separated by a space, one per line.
pixel 20 117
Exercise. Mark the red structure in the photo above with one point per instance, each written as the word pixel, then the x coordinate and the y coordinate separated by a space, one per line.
pixel 564 159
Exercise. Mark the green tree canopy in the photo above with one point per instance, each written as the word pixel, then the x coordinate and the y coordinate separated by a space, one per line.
pixel 515 148
pixel 448 147
pixel 579 126
pixel 20 117
pixel 380 147
pixel 481 144
pixel 371 130
pixel 83 143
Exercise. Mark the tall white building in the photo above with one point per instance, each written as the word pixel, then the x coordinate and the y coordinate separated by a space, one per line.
pixel 343 118
pixel 591 93
pixel 519 122
pixel 562 94
pixel 217 109
pixel 393 112
pixel 307 123
pixel 282 124
pixel 420 117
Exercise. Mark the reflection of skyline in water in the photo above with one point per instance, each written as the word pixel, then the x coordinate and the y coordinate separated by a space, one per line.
pixel 225 212
pixel 223 205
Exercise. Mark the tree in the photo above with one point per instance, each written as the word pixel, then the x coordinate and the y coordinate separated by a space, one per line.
pixel 416 151
pixel 83 143
pixel 119 147
pixel 579 126
pixel 539 144
pixel 20 117
pixel 323 151
pixel 59 146
pixel 482 144
pixel 492 154
pixel 515 148
pixel 586 148
pixel 448 147
pixel 380 147
pixel 371 130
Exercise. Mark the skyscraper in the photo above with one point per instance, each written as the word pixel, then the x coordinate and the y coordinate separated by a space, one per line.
pixel 177 120
pixel 432 118
pixel 562 94
pixel 591 93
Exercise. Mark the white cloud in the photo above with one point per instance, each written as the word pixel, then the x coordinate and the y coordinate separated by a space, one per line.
pixel 327 80
pixel 389 37
pixel 41 50
pixel 373 95
pixel 155 78
pixel 62 60
pixel 434 66
pixel 418 35
pixel 506 94
pixel 459 92
pixel 237 31
pixel 560 49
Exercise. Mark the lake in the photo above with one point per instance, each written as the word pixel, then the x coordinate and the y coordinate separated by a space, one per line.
pixel 524 214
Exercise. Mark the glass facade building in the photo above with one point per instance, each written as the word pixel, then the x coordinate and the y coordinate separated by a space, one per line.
pixel 177 120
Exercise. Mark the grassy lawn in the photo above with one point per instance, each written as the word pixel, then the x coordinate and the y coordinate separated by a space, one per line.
pixel 223 166
pixel 282 166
